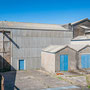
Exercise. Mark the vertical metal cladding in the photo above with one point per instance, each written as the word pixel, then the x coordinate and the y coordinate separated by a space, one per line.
pixel 27 44
pixel 30 42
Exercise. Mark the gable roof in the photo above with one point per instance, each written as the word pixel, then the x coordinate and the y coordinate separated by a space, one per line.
pixel 84 47
pixel 56 48
pixel 22 25
pixel 80 21
pixel 78 47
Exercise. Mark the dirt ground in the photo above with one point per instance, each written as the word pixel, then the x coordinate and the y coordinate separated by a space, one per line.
pixel 33 80
pixel 77 79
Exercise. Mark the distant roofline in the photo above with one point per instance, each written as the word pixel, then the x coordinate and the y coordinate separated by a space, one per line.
pixel 33 26
pixel 30 22
pixel 77 22
pixel 1 28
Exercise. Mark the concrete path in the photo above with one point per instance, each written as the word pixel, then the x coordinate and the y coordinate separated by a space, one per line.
pixel 31 80
pixel 35 80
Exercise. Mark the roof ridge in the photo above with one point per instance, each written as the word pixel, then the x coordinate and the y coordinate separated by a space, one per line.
pixel 30 23
pixel 22 25
pixel 74 23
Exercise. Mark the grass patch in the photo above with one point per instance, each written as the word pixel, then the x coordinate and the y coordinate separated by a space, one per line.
pixel 60 78
pixel 88 80
pixel 64 80
pixel 88 86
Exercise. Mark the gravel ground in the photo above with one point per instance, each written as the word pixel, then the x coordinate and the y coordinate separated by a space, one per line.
pixel 33 80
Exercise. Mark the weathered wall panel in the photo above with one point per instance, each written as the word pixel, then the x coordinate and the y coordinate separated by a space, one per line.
pixel 31 42
pixel 6 51
pixel 78 31
pixel 48 62
pixel 27 45
pixel 71 59
pixel 81 52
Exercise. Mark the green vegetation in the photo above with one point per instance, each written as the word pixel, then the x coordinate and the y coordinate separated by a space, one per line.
pixel 88 86
pixel 88 80
pixel 60 78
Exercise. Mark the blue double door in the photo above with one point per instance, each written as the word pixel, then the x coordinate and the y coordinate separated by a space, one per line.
pixel 21 64
pixel 63 62
pixel 85 61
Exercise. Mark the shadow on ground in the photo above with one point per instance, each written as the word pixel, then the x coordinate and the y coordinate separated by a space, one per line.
pixel 9 78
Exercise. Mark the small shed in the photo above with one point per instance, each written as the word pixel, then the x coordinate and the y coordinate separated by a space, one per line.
pixel 58 58
pixel 84 57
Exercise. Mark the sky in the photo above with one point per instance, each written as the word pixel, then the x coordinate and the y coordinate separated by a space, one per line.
pixel 44 11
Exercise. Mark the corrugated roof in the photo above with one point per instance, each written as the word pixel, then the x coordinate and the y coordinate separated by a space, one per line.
pixel 56 48
pixel 22 25
pixel 77 47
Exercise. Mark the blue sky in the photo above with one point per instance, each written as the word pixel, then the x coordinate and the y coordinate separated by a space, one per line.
pixel 44 11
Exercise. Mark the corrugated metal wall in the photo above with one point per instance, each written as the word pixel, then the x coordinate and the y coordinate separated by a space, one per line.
pixel 30 43
pixel 27 45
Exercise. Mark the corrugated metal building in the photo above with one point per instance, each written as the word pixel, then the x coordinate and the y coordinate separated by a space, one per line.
pixel 21 43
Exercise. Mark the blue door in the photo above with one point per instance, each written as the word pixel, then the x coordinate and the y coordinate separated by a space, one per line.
pixel 63 62
pixel 85 61
pixel 21 64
